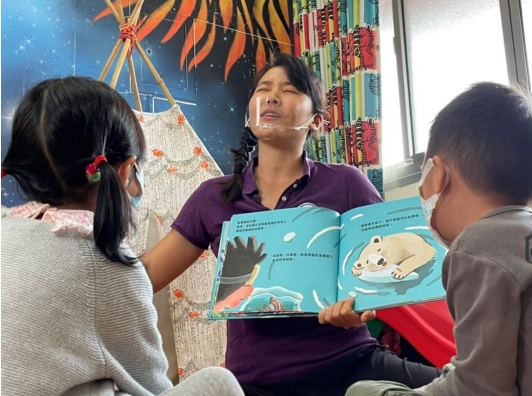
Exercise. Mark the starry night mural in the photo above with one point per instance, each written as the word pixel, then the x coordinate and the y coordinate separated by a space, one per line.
pixel 206 52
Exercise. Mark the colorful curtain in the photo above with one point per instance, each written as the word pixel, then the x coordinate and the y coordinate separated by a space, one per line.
pixel 339 40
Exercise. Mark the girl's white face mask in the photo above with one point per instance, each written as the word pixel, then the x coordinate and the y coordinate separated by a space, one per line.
pixel 429 204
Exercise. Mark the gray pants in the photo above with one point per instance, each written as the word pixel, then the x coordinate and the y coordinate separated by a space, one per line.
pixel 389 388
pixel 210 381
pixel 381 388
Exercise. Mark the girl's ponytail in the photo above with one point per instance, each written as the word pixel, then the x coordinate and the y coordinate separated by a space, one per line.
pixel 112 215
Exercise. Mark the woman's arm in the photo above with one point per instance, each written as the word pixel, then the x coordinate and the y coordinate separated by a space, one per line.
pixel 169 258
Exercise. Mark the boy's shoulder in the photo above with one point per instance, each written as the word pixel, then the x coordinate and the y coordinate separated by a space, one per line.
pixel 504 237
pixel 503 224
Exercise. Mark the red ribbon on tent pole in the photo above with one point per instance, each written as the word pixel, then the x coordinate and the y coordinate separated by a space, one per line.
pixel 129 32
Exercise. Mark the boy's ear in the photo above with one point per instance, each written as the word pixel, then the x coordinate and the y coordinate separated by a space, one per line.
pixel 439 179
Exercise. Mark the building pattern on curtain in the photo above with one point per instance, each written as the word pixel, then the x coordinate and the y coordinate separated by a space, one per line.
pixel 339 40
pixel 178 163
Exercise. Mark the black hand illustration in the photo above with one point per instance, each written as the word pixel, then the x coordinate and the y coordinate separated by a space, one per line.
pixel 240 257
pixel 240 260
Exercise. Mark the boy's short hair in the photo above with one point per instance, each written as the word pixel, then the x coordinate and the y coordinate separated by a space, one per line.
pixel 486 133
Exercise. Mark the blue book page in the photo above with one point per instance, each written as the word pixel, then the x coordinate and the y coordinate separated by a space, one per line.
pixel 388 256
pixel 218 271
pixel 280 262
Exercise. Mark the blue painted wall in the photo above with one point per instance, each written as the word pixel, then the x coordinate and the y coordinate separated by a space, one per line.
pixel 56 38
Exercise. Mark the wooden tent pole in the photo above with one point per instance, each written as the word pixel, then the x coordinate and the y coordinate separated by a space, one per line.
pixel 155 74
pixel 113 9
pixel 121 18
pixel 133 20
pixel 135 15
pixel 120 63
pixel 127 43
pixel 134 83
pixel 111 59
pixel 118 13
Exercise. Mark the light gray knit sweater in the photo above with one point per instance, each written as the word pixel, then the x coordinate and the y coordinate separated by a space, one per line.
pixel 70 317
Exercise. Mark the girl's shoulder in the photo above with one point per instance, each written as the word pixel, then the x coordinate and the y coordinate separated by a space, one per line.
pixel 62 219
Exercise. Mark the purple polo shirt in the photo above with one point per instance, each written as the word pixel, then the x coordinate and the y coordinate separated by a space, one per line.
pixel 265 351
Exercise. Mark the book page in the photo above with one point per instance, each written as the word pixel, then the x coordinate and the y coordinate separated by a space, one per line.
pixel 224 236
pixel 279 262
pixel 388 256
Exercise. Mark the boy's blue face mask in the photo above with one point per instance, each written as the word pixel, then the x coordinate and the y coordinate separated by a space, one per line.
pixel 429 204
pixel 135 201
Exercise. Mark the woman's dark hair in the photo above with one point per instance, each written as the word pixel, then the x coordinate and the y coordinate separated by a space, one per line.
pixel 306 81
pixel 60 127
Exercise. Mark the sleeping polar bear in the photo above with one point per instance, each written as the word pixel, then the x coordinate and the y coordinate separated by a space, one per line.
pixel 407 250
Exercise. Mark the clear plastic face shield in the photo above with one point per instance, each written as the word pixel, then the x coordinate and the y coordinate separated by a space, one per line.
pixel 263 120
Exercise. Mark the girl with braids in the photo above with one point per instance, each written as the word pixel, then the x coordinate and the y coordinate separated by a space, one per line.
pixel 77 313
pixel 289 356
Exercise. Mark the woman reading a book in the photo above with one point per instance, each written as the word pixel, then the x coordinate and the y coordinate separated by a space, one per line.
pixel 289 356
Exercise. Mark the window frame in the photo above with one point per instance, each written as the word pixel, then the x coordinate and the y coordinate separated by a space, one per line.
pixel 408 171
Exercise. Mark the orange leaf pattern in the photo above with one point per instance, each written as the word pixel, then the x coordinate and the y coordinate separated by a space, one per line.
pixel 195 34
pixel 276 25
pixel 260 59
pixel 226 8
pixel 206 49
pixel 237 48
pixel 157 153
pixel 155 18
pixel 183 13
pixel 249 21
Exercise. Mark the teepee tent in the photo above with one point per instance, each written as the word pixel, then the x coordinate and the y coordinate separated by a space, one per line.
pixel 177 163
pixel 127 39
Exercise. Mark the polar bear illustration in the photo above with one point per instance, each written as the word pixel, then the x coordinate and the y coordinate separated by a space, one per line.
pixel 407 250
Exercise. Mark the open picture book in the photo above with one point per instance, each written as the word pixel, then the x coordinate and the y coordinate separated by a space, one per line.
pixel 295 262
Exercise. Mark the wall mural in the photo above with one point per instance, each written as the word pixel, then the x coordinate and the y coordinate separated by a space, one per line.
pixel 205 50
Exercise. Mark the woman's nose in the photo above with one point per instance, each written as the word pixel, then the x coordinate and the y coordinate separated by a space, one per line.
pixel 272 99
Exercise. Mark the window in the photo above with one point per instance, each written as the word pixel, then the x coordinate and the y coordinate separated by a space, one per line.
pixel 526 6
pixel 447 50
pixel 392 139
pixel 431 50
